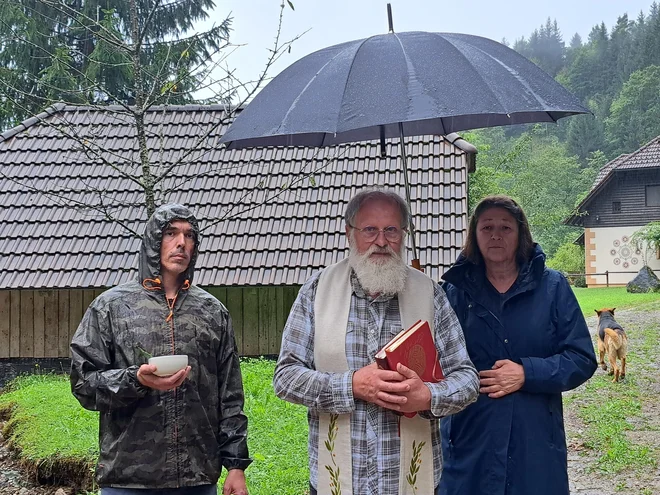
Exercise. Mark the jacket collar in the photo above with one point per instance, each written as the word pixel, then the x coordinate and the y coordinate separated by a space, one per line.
pixel 471 278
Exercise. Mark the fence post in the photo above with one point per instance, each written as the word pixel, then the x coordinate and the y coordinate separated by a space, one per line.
pixel 607 278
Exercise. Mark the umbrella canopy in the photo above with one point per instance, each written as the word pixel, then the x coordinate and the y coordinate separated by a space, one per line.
pixel 431 83
pixel 396 85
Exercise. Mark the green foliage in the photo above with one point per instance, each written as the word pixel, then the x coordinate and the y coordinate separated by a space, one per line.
pixel 569 258
pixel 277 434
pixel 544 47
pixel 649 235
pixel 536 171
pixel 635 112
pixel 49 424
pixel 101 51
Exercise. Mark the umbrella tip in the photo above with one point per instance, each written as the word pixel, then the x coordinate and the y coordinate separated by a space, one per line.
pixel 389 17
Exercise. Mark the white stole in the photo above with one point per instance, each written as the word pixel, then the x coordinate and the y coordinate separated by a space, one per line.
pixel 331 308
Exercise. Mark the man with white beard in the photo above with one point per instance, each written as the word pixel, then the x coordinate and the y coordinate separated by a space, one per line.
pixel 359 443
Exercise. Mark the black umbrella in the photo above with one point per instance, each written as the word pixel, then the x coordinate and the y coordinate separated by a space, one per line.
pixel 396 85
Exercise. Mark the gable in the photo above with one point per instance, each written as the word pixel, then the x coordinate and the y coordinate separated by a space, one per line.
pixel 620 177
pixel 268 216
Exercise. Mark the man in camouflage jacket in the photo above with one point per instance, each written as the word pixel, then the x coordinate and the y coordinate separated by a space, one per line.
pixel 155 432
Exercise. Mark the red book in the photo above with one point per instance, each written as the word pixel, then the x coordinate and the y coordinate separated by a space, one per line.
pixel 414 348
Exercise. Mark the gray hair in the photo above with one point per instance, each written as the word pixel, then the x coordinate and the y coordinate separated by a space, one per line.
pixel 359 199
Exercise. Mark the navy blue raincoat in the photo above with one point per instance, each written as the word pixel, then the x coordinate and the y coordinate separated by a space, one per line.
pixel 515 445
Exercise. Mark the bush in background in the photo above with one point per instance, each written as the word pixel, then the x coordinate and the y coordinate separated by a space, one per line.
pixel 568 259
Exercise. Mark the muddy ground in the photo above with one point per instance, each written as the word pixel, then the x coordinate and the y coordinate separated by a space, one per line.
pixel 583 478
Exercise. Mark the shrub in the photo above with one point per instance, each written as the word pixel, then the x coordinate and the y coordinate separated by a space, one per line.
pixel 568 259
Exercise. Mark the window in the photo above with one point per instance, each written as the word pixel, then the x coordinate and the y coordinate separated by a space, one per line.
pixel 652 195
pixel 616 206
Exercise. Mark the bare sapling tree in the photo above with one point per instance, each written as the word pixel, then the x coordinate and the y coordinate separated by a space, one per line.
pixel 130 60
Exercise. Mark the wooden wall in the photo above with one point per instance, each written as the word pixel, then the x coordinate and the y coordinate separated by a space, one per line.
pixel 41 323
pixel 258 315
pixel 628 188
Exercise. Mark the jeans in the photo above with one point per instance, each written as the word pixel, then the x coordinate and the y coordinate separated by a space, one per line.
pixel 187 490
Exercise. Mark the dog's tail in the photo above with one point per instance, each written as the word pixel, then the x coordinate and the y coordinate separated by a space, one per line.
pixel 615 336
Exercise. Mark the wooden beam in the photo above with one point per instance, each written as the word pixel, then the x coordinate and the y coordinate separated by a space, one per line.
pixel 250 321
pixel 15 324
pixel 39 324
pixel 27 324
pixel 75 311
pixel 234 303
pixel 51 325
pixel 5 330
pixel 63 319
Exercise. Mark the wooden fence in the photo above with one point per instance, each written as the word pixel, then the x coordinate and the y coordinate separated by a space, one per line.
pixel 41 323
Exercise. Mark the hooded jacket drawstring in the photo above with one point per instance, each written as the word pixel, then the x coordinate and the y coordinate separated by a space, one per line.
pixel 155 284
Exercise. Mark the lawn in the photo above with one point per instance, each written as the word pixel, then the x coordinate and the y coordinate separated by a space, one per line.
pixel 614 297
pixel 53 431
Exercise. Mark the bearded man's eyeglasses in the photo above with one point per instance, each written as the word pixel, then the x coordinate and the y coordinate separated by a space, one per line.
pixel 370 234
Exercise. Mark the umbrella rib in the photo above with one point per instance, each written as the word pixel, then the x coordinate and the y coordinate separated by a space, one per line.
pixel 511 71
pixel 295 101
pixel 362 42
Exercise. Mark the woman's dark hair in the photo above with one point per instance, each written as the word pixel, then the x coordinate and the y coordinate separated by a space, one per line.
pixel 525 243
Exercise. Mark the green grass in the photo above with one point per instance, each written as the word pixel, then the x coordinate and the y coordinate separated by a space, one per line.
pixel 48 421
pixel 49 426
pixel 277 435
pixel 614 297
pixel 609 412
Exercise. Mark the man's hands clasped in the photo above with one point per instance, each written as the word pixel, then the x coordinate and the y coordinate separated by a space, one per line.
pixel 400 390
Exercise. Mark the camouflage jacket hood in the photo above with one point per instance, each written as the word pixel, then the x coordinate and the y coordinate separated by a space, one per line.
pixel 148 438
pixel 149 263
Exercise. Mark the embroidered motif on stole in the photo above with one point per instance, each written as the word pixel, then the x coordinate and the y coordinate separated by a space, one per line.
pixel 331 308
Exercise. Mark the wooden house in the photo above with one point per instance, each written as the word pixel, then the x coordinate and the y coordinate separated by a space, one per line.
pixel 625 196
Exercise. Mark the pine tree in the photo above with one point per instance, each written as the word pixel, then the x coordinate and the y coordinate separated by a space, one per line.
pixel 102 51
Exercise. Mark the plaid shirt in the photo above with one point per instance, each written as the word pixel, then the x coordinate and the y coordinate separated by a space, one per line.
pixel 375 439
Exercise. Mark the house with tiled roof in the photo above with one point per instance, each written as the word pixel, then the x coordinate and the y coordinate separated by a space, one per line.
pixel 270 218
pixel 625 196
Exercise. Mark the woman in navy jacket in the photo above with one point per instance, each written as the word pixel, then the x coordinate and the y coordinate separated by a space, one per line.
pixel 527 337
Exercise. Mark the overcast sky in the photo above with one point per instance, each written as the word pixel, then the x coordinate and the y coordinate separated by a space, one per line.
pixel 329 22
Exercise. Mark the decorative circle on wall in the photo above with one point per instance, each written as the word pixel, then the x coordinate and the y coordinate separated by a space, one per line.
pixel 624 253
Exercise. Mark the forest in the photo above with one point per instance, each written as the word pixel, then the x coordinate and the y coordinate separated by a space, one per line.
pixel 125 52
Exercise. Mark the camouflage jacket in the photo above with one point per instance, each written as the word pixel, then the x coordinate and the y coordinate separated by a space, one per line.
pixel 148 438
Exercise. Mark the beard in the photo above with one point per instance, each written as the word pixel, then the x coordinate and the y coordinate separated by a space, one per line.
pixel 386 276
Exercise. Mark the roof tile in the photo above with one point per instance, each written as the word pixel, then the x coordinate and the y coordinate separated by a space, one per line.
pixel 279 226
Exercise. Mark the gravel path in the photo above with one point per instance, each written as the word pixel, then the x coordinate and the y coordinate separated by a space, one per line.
pixel 585 481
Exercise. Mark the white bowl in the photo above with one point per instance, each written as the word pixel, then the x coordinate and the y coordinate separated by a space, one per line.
pixel 168 365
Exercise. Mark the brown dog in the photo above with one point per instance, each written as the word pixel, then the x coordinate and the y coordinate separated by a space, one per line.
pixel 613 340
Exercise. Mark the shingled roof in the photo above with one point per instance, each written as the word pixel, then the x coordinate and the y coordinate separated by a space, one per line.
pixel 268 216
pixel 648 156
